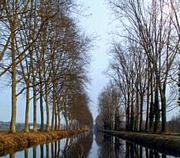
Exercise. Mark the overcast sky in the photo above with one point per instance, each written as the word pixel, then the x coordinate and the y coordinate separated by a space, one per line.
pixel 97 24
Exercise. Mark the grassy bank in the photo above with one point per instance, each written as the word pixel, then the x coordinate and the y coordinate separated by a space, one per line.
pixel 10 143
pixel 168 144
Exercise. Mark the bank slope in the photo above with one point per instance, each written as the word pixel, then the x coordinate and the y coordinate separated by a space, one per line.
pixel 10 143
pixel 168 144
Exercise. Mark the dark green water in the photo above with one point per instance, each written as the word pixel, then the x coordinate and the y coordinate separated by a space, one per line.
pixel 88 145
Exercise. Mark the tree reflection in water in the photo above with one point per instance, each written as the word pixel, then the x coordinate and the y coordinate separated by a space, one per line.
pixel 113 147
pixel 75 147
pixel 104 146
pixel 78 147
pixel 109 147
pixel 134 150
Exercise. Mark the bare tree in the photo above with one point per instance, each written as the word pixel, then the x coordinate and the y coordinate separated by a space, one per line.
pixel 153 30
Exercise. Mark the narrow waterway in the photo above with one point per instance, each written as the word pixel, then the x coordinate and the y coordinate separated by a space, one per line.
pixel 88 145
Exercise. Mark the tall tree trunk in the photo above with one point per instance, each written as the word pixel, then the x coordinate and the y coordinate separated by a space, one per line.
pixel 127 113
pixel 117 119
pixel 53 118
pixel 59 120
pixel 34 86
pixel 151 113
pixel 148 97
pixel 141 112
pixel 59 114
pixel 41 103
pixel 156 109
pixel 56 119
pixel 54 108
pixel 34 105
pixel 137 113
pixel 132 112
pixel 147 111
pixel 47 109
pixel 163 106
pixel 14 97
pixel 27 106
pixel 66 121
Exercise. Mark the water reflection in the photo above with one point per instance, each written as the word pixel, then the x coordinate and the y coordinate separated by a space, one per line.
pixel 133 150
pixel 83 146
pixel 78 150
pixel 109 146
pixel 74 147
pixel 113 147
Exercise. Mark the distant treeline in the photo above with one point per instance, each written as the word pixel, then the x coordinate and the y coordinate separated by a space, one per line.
pixel 174 124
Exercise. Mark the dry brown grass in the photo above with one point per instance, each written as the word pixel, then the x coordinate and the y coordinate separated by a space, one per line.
pixel 10 143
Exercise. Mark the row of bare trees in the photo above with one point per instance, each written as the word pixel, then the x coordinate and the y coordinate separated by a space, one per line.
pixel 144 63
pixel 110 112
pixel 45 55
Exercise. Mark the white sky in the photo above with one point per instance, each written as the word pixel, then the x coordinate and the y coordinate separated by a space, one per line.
pixel 97 24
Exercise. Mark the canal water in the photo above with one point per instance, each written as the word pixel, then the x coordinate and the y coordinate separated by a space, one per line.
pixel 89 145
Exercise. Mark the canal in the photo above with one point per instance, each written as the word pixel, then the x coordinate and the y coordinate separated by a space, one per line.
pixel 89 145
